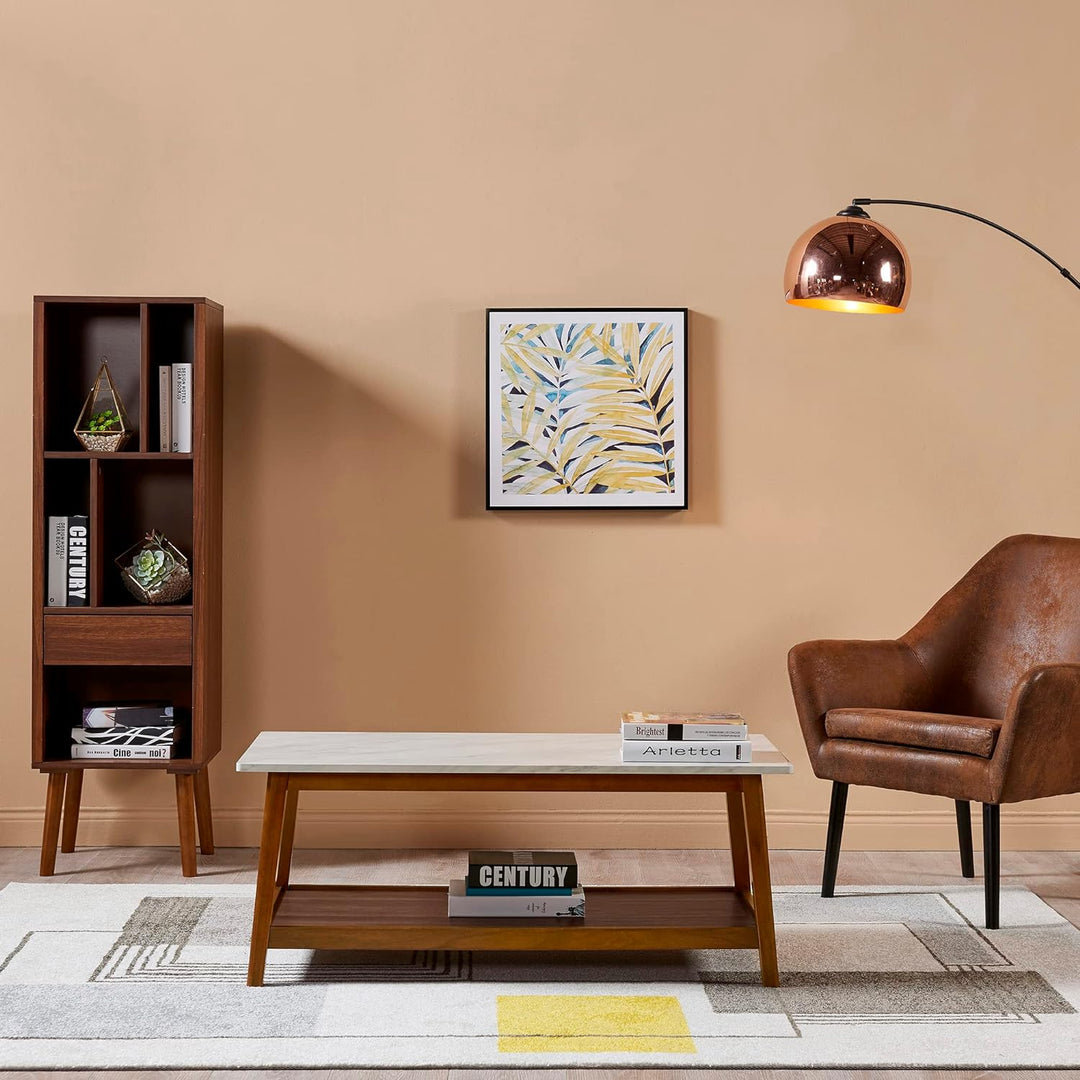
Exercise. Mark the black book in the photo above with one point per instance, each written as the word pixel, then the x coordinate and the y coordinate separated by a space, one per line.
pixel 522 870
pixel 78 560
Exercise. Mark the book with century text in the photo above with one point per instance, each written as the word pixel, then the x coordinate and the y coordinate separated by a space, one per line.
pixel 522 871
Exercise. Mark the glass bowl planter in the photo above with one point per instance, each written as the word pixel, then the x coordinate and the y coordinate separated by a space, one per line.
pixel 155 571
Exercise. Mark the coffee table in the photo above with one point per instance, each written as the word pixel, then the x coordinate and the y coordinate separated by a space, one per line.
pixel 739 916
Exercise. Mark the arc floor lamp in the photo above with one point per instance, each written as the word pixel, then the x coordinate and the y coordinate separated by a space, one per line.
pixel 850 262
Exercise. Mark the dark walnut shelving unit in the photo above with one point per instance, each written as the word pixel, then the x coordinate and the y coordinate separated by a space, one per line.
pixel 117 650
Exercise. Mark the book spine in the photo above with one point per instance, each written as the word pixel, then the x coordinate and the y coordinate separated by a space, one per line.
pixel 687 752
pixel 470 891
pixel 514 907
pixel 164 408
pixel 181 408
pixel 689 732
pixel 125 752
pixel 78 560
pixel 487 876
pixel 56 593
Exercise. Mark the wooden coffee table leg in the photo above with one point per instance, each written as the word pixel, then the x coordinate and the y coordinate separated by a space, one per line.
pixel 740 856
pixel 54 804
pixel 72 801
pixel 265 887
pixel 759 867
pixel 288 834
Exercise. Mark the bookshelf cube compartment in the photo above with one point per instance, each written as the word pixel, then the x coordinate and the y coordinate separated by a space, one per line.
pixel 77 337
pixel 139 497
pixel 170 335
pixel 69 689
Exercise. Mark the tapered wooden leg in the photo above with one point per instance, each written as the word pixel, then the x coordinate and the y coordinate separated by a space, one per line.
pixel 991 817
pixel 740 856
pixel 203 816
pixel 72 801
pixel 832 842
pixel 54 804
pixel 185 813
pixel 288 834
pixel 266 890
pixel 759 867
pixel 963 834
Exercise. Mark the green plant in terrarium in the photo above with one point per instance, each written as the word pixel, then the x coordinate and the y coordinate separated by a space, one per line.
pixel 106 420
pixel 155 571
pixel 153 564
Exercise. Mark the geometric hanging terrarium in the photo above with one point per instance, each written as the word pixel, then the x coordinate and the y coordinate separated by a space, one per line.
pixel 103 424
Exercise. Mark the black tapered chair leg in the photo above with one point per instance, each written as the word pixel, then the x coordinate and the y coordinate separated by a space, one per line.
pixel 832 841
pixel 991 818
pixel 963 832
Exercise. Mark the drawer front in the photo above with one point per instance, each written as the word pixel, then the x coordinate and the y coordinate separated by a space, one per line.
pixel 117 639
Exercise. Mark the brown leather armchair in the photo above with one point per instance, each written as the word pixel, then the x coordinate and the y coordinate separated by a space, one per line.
pixel 979 701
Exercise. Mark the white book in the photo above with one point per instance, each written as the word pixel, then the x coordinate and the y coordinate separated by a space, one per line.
pixel 687 753
pixel 523 906
pixel 56 553
pixel 84 750
pixel 692 732
pixel 181 408
pixel 164 408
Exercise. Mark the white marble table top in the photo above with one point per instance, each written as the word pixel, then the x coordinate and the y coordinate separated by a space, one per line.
pixel 472 752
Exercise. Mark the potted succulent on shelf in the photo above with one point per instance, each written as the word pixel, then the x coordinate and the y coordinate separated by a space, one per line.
pixel 155 571
pixel 102 425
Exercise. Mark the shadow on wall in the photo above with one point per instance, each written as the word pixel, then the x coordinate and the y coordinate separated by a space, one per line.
pixel 703 397
pixel 346 586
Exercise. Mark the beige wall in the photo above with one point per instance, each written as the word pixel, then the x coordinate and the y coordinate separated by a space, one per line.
pixel 356 181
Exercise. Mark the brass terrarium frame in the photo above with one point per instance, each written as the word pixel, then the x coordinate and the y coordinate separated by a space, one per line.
pixel 103 403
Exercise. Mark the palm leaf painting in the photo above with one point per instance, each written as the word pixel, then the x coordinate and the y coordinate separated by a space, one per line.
pixel 587 408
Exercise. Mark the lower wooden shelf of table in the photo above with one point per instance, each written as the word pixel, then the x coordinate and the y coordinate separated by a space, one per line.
pixel 414 917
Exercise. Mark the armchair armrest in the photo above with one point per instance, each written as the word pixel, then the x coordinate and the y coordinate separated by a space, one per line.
pixel 1038 749
pixel 851 674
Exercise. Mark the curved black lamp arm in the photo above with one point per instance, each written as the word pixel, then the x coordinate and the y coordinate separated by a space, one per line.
pixel 975 217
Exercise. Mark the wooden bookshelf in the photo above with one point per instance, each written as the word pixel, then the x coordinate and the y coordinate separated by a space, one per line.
pixel 116 650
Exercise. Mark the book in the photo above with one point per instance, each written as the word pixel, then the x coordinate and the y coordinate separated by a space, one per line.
pixel 462 905
pixel 164 407
pixel 78 560
pixel 56 557
pixel 689 753
pixel 104 717
pixel 88 752
pixel 663 729
pixel 527 870
pixel 181 408
pixel 470 891
pixel 125 736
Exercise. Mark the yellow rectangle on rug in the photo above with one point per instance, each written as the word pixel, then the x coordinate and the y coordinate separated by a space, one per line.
pixel 592 1023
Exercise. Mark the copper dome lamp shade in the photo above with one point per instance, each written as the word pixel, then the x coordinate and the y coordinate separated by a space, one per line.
pixel 851 263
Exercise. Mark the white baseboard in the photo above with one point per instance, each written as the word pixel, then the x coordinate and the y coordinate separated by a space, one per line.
pixel 864 830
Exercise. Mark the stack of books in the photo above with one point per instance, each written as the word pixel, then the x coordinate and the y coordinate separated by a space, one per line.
pixel 688 738
pixel 126 732
pixel 518 884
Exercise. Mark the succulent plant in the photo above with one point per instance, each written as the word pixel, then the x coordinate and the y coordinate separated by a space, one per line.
pixel 153 562
pixel 105 420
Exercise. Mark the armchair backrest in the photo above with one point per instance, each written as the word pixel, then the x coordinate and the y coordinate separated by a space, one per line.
pixel 1018 606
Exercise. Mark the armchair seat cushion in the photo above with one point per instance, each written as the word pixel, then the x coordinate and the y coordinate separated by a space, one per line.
pixel 974 735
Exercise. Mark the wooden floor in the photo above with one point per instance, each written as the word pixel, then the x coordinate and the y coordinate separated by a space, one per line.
pixel 1053 875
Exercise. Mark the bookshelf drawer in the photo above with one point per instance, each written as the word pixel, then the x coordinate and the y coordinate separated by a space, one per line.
pixel 118 639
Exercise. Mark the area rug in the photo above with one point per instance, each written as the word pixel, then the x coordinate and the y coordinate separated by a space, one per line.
pixel 152 977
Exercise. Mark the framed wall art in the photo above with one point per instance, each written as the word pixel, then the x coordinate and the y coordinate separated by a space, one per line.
pixel 586 408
